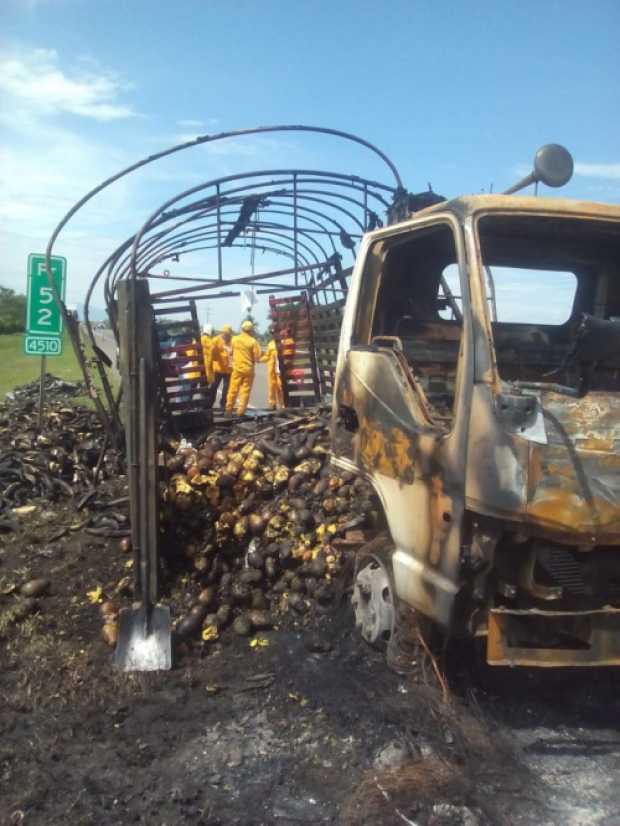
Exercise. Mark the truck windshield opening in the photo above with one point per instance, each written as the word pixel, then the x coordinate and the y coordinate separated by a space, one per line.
pixel 542 274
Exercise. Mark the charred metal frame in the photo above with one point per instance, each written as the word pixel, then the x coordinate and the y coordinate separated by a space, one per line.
pixel 306 216
pixel 313 218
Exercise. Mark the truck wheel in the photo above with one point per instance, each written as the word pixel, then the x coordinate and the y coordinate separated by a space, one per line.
pixel 373 603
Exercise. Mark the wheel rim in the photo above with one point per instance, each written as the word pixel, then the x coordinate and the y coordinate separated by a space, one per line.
pixel 373 603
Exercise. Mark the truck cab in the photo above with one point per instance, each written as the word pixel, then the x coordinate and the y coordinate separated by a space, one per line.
pixel 477 390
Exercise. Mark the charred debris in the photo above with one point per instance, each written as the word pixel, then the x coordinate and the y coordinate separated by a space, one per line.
pixel 255 526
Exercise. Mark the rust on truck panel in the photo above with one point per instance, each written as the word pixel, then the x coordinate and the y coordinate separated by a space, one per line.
pixel 595 417
pixel 399 451
pixel 394 454
pixel 391 453
pixel 569 487
pixel 574 480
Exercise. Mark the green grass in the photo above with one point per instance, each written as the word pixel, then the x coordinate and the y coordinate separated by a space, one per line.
pixel 16 368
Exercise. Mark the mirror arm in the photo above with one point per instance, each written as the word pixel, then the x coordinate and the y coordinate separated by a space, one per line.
pixel 529 179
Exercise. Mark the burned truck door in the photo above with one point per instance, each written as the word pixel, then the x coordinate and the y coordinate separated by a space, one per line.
pixel 401 402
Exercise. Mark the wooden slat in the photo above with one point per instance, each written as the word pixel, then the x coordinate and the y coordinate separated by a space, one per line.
pixel 326 322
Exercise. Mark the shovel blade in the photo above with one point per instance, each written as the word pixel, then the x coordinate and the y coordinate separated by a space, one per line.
pixel 137 650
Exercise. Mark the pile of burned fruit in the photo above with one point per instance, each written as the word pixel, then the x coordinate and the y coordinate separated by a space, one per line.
pixel 55 462
pixel 260 523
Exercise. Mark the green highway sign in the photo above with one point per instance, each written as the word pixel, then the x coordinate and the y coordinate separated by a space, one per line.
pixel 44 322
pixel 43 345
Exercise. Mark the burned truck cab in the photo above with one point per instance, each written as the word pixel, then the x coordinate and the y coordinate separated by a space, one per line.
pixel 478 391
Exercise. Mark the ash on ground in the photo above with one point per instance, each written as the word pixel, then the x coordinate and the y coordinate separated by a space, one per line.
pixel 275 711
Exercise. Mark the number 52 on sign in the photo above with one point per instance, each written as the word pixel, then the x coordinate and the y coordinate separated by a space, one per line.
pixel 44 322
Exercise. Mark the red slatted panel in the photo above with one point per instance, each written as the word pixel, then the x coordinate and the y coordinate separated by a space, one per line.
pixel 185 400
pixel 299 375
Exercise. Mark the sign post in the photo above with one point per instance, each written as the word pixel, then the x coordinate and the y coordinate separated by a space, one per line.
pixel 44 321
pixel 41 391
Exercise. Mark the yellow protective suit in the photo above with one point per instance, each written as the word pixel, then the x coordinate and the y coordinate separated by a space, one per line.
pixel 220 356
pixel 275 394
pixel 246 353
pixel 206 342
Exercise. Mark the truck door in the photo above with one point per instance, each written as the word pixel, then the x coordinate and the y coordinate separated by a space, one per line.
pixel 401 405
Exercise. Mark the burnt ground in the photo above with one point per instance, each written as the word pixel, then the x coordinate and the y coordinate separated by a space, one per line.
pixel 284 733
pixel 565 726
pixel 309 728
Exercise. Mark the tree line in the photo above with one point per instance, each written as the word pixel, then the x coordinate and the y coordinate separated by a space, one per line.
pixel 12 311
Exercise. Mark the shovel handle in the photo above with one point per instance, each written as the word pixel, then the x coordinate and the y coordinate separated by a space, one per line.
pixel 148 598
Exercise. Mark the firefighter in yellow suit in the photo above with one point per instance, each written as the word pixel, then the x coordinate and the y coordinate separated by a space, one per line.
pixel 206 342
pixel 246 353
pixel 275 395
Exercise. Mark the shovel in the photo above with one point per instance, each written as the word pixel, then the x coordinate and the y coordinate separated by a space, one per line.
pixel 144 642
pixel 144 635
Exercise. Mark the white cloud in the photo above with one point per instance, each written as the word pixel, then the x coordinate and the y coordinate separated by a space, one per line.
pixel 40 181
pixel 31 5
pixel 263 148
pixel 49 158
pixel 35 81
pixel 46 166
pixel 609 171
pixel 43 179
pixel 606 171
pixel 190 123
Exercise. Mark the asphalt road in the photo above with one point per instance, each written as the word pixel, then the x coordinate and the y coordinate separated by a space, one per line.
pixel 258 397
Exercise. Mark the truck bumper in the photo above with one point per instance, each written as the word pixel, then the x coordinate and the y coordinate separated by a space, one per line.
pixel 552 639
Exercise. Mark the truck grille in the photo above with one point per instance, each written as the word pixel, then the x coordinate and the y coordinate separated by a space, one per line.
pixel 564 569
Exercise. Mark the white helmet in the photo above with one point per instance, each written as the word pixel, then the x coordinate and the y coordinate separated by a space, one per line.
pixel 208 329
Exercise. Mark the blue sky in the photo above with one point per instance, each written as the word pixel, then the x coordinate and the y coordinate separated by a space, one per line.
pixel 458 94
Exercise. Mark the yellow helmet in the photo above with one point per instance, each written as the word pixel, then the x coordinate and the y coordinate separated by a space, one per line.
pixel 226 328
pixel 247 326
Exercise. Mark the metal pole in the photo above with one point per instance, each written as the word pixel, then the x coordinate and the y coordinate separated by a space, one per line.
pixel 219 234
pixel 42 391
pixel 295 229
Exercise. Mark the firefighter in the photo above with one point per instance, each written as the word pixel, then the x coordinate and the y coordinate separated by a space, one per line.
pixel 246 353
pixel 275 395
pixel 206 342
pixel 221 364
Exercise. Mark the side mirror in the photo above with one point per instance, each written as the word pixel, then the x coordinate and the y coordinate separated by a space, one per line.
pixel 553 166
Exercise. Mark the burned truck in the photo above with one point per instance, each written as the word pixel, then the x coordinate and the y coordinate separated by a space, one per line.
pixel 470 352
pixel 492 443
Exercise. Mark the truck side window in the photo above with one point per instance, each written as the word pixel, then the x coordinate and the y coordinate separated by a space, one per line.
pixel 416 302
